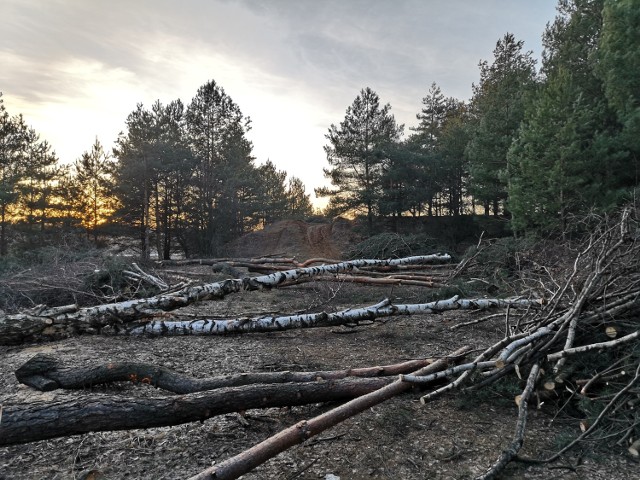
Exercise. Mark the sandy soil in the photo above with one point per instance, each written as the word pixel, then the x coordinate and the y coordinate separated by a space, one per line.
pixel 455 437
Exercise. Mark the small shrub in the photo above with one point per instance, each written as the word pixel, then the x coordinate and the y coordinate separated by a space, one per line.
pixel 392 245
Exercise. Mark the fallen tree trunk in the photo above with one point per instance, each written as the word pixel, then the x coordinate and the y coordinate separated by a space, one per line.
pixel 309 320
pixel 71 319
pixel 45 373
pixel 374 281
pixel 298 433
pixel 30 423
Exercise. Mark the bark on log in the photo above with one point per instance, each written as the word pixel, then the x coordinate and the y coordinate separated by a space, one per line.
pixel 298 433
pixel 30 423
pixel 45 373
pixel 70 319
pixel 309 320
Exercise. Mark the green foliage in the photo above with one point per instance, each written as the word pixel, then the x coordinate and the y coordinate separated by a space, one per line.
pixel 92 188
pixel 356 155
pixel 500 393
pixel 568 156
pixel 497 109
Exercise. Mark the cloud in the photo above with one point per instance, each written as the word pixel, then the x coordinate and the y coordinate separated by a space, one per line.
pixel 292 65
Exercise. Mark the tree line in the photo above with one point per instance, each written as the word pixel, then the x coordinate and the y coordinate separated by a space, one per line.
pixel 181 177
pixel 535 146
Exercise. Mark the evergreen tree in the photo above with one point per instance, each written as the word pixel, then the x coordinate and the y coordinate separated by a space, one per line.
pixel 152 176
pixel 13 138
pixel 453 141
pixel 355 155
pixel 134 174
pixel 273 193
pixel 171 185
pixel 225 179
pixel 497 109
pixel 298 201
pixel 619 69
pixel 568 157
pixel 38 188
pixel 431 176
pixel 93 188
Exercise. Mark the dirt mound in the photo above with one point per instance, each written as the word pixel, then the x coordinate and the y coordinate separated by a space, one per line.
pixel 299 239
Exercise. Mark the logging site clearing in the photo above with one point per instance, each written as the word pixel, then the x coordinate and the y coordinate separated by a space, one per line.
pixel 512 331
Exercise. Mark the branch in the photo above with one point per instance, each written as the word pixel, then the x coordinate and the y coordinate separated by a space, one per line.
pixel 593 346
pixel 32 422
pixel 518 439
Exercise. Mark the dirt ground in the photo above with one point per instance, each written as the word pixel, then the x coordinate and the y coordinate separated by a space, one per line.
pixel 455 437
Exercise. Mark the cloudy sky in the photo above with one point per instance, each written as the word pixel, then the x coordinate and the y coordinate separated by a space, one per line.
pixel 76 68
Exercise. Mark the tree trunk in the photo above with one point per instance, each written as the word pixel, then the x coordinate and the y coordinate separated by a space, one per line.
pixel 3 231
pixel 71 319
pixel 45 373
pixel 310 320
pixel 29 423
pixel 250 459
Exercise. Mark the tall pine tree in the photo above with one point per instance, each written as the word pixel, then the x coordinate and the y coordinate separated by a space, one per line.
pixel 356 156
pixel 497 109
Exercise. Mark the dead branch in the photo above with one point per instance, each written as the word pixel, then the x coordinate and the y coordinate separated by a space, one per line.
pixel 513 449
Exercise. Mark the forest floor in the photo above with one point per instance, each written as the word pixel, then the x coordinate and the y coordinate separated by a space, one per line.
pixel 455 437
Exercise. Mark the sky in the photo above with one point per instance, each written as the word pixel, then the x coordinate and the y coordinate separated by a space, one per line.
pixel 76 68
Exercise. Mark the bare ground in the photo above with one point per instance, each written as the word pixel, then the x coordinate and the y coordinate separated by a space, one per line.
pixel 456 437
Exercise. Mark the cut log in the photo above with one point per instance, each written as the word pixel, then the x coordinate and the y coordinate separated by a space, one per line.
pixel 298 433
pixel 45 373
pixel 29 423
pixel 634 449
pixel 309 320
pixel 18 327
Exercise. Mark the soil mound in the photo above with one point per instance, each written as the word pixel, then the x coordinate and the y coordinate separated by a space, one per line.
pixel 295 238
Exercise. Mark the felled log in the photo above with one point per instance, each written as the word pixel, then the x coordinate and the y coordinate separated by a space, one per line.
pixel 70 319
pixel 26 423
pixel 373 281
pixel 298 433
pixel 45 373
pixel 309 320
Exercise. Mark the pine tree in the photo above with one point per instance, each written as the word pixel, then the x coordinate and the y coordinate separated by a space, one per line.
pixel 225 197
pixel 37 189
pixel 134 174
pixel 298 201
pixel 497 109
pixel 13 138
pixel 355 156
pixel 273 194
pixel 433 178
pixel 568 157
pixel 619 69
pixel 94 188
